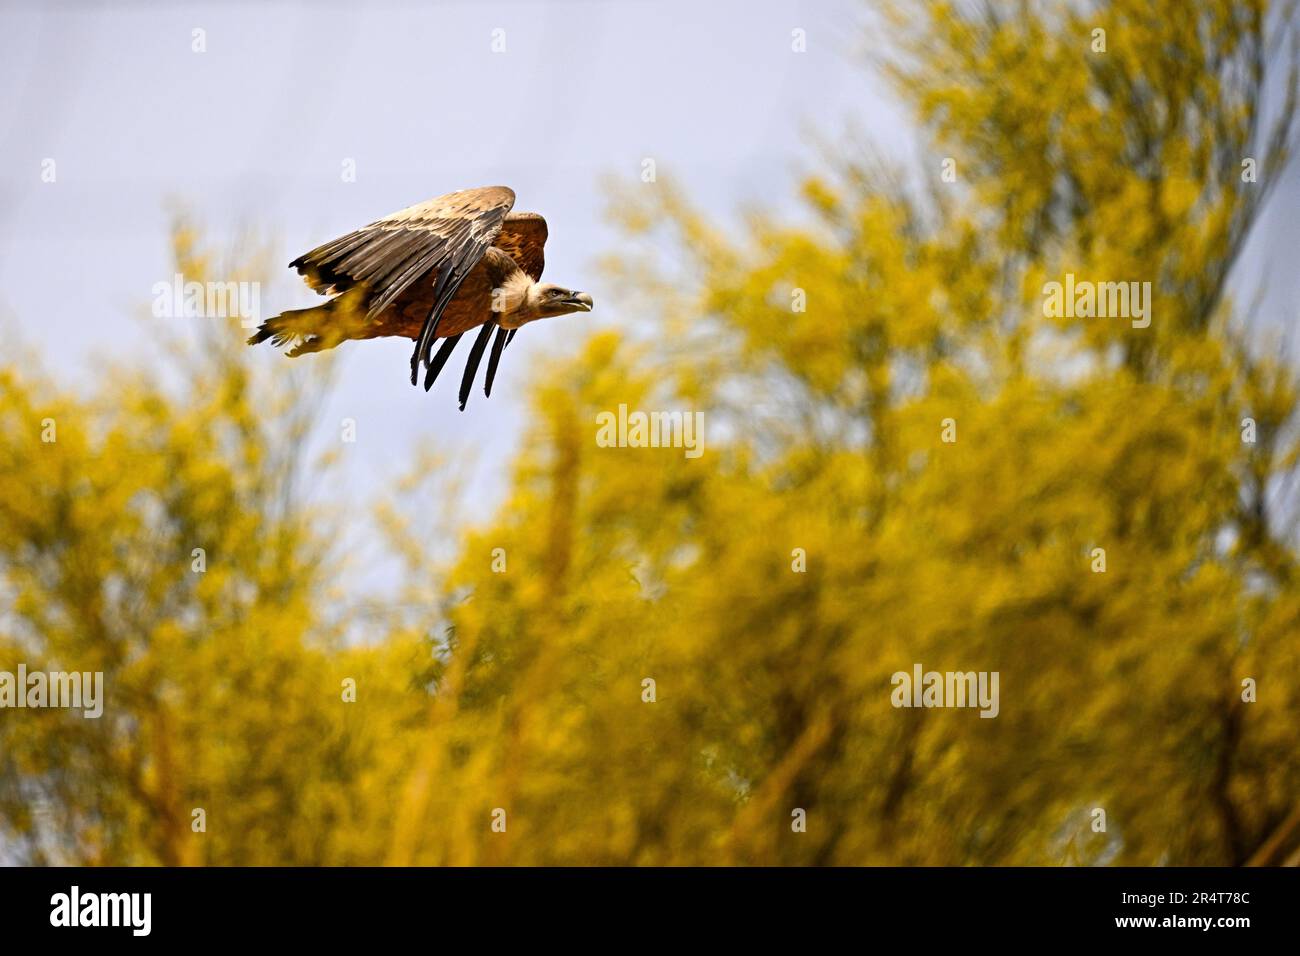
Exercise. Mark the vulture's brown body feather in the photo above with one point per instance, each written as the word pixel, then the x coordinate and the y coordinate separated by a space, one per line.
pixel 470 307
pixel 435 270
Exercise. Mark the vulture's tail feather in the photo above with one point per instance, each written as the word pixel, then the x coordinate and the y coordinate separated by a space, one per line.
pixel 312 330
pixel 295 327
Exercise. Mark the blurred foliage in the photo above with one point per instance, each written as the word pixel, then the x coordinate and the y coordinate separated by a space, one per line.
pixel 521 687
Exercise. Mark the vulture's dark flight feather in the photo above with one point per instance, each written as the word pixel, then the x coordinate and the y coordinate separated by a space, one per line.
pixel 498 345
pixel 471 364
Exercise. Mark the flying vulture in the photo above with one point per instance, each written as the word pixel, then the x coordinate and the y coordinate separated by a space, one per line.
pixel 433 271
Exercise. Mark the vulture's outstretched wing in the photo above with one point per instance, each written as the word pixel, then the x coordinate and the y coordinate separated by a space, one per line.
pixel 523 236
pixel 444 237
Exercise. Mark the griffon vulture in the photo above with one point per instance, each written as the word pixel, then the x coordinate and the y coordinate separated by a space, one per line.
pixel 433 271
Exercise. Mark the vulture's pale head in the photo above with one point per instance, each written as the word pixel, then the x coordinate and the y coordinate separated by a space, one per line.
pixel 522 301
pixel 546 300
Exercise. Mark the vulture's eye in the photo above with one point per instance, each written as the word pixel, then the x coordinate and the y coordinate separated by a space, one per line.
pixel 557 293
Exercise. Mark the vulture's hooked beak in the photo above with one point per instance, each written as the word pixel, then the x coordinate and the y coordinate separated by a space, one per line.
pixel 580 300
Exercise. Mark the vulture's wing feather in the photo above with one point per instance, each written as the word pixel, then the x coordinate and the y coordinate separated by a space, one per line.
pixel 523 238
pixel 446 236
pixel 471 364
pixel 439 360
pixel 479 233
pixel 498 344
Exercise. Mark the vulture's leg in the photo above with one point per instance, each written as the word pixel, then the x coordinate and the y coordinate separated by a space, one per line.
pixel 440 360
pixel 498 344
pixel 471 364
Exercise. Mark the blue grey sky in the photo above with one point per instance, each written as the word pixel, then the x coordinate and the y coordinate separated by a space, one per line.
pixel 253 132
